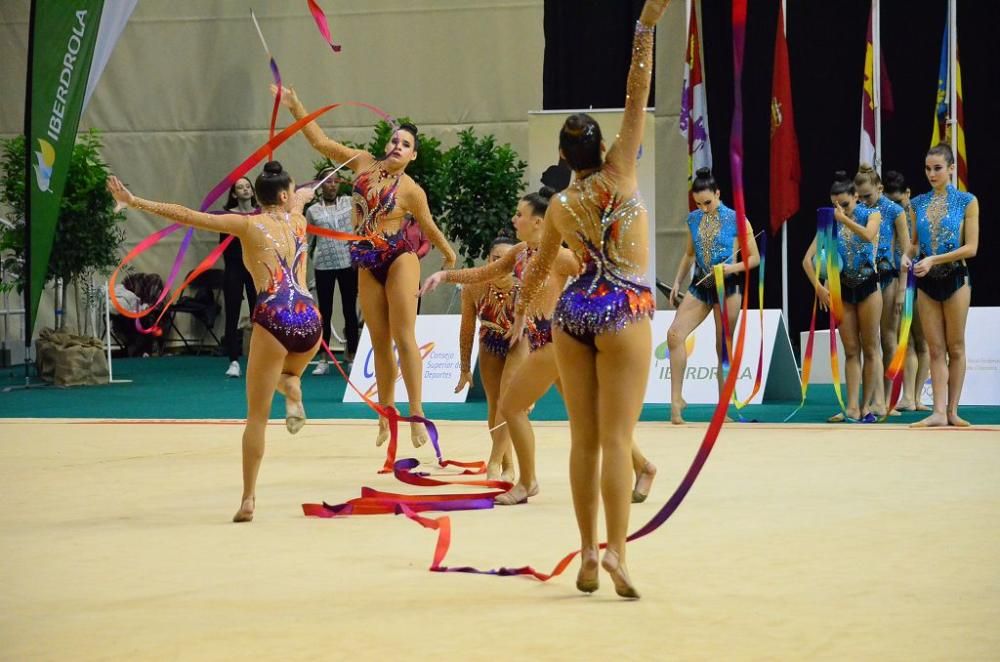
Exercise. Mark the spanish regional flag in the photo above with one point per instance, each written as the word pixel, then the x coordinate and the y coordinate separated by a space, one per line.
pixel 942 113
pixel 868 152
pixel 694 105
pixel 785 170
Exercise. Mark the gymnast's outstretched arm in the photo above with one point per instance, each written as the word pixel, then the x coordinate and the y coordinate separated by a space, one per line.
pixel 358 159
pixel 226 223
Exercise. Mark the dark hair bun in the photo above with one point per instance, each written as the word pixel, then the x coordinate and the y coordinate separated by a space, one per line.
pixel 841 176
pixel 703 173
pixel 273 168
pixel 546 192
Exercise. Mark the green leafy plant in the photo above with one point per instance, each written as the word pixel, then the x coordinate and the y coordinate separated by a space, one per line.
pixel 424 170
pixel 89 231
pixel 472 188
pixel 484 182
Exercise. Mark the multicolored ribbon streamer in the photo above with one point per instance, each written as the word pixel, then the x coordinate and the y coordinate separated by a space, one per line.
pixel 895 371
pixel 443 524
pixel 217 191
pixel 740 404
pixel 825 218
pixel 322 24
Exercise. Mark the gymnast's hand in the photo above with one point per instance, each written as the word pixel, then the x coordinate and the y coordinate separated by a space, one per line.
pixel 431 284
pixel 838 213
pixel 675 294
pixel 904 265
pixel 288 96
pixel 823 295
pixel 119 192
pixel 464 380
pixel 922 266
pixel 516 330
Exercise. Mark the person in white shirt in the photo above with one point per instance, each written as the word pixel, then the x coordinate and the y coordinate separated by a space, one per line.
pixel 332 262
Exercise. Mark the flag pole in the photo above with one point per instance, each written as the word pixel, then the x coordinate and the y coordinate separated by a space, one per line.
pixel 877 83
pixel 953 83
pixel 784 225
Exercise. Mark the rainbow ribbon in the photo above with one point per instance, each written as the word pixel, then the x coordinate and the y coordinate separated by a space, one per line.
pixel 443 524
pixel 895 371
pixel 322 24
pixel 826 256
pixel 740 404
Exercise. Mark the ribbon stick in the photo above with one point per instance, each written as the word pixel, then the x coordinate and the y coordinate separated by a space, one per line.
pixel 322 24
pixel 276 76
pixel 443 524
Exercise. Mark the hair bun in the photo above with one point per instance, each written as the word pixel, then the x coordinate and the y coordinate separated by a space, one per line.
pixel 865 168
pixel 546 192
pixel 273 168
pixel 704 173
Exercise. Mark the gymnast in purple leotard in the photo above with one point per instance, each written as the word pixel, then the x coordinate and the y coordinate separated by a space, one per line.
pixel 287 327
pixel 387 205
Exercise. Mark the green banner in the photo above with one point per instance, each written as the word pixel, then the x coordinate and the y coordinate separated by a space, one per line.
pixel 63 37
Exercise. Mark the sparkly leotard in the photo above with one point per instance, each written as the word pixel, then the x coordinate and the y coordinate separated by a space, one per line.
pixel 612 291
pixel 538 322
pixel 939 231
pixel 284 307
pixel 496 312
pixel 886 257
pixel 713 236
pixel 857 255
pixel 379 250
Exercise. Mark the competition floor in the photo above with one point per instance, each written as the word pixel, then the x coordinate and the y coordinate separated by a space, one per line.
pixel 797 542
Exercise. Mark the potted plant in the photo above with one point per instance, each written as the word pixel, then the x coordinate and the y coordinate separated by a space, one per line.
pixel 480 182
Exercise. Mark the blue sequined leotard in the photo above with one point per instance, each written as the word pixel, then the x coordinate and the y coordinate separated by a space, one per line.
pixel 713 236
pixel 939 231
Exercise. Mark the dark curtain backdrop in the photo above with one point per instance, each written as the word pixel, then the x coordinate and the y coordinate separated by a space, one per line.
pixel 826 51
pixel 588 47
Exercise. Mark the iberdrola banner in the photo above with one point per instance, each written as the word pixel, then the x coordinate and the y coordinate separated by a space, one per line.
pixel 64 37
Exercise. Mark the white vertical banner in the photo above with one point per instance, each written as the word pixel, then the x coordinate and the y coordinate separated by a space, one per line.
pixel 543 152
pixel 437 341
pixel 114 16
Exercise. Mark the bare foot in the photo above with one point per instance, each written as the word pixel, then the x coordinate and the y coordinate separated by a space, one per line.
pixel 587 580
pixel 517 495
pixel 643 481
pixel 895 412
pixel 677 413
pixel 957 421
pixel 935 420
pixel 493 471
pixel 922 407
pixel 619 575
pixel 245 513
pixel 418 434
pixel 905 405
pixel 383 432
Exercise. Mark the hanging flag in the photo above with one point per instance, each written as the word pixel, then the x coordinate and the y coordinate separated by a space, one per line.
pixel 942 112
pixel 786 172
pixel 69 44
pixel 867 152
pixel 694 104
